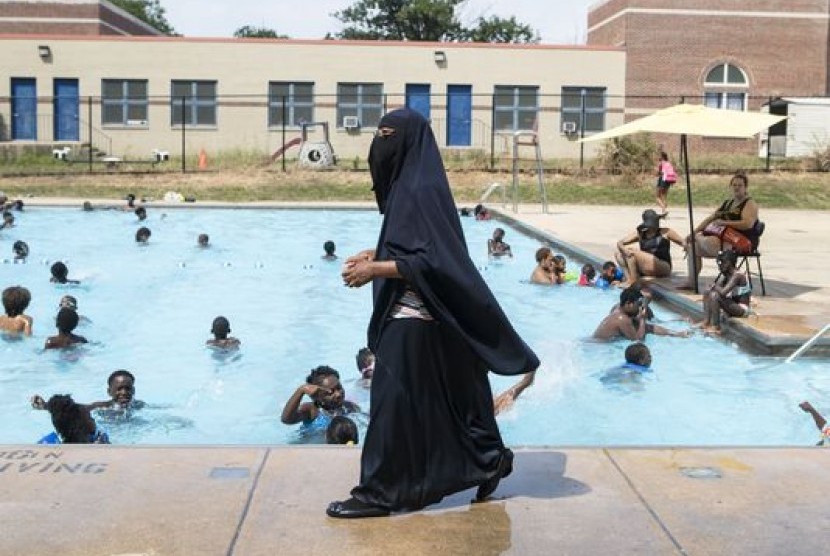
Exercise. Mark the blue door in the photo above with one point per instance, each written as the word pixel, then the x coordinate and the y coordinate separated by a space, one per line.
pixel 417 98
pixel 24 109
pixel 459 115
pixel 65 124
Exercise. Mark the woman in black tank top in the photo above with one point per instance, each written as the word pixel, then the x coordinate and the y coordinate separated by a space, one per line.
pixel 654 257
pixel 740 213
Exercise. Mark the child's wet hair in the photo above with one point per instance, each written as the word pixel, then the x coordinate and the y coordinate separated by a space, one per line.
pixel 318 374
pixel 542 253
pixel 727 256
pixel 15 300
pixel 67 320
pixel 143 234
pixel 329 247
pixel 636 353
pixel 342 430
pixel 221 327
pixel 20 248
pixel 630 295
pixel 59 270
pixel 608 265
pixel 69 419
pixel 120 372
pixel 589 271
pixel 364 358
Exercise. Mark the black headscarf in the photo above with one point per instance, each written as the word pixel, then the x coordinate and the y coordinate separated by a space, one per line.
pixel 422 233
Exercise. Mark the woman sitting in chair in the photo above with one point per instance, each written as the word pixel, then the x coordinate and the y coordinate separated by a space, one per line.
pixel 734 226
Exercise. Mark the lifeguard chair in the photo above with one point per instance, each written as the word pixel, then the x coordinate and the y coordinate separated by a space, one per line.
pixel 528 139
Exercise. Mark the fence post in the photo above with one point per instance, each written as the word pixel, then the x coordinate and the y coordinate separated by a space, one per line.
pixel 89 126
pixel 582 131
pixel 493 131
pixel 769 136
pixel 184 149
pixel 284 114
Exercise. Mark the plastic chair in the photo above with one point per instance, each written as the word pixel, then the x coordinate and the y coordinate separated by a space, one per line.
pixel 755 254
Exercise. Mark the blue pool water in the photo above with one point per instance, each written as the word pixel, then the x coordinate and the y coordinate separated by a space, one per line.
pixel 150 309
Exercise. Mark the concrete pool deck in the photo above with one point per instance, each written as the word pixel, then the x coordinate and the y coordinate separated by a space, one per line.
pixel 100 500
pixel 139 500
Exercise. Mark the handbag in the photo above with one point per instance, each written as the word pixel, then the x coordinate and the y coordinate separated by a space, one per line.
pixel 739 242
pixel 714 230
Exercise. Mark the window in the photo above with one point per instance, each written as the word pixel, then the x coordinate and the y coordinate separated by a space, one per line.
pixel 363 100
pixel 584 107
pixel 199 102
pixel 299 103
pixel 515 108
pixel 124 102
pixel 725 87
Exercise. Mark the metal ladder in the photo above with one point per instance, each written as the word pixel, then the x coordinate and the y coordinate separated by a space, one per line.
pixel 808 344
pixel 532 142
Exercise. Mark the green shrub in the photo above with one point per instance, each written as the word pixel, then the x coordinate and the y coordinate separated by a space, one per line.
pixel 630 156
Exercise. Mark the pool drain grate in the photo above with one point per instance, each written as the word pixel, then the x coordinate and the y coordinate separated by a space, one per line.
pixel 701 472
pixel 230 473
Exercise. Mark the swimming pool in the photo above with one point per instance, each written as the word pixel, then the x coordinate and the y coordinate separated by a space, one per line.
pixel 150 309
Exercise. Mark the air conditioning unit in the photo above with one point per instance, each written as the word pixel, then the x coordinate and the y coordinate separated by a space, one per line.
pixel 161 156
pixel 61 154
pixel 137 122
pixel 568 127
pixel 351 122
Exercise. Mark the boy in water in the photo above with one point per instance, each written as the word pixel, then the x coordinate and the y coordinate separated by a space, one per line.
pixel 220 329
pixel 328 248
pixel 629 319
pixel 342 430
pixel 609 276
pixel 66 321
pixel 203 240
pixel 142 235
pixel 73 423
pixel 20 250
pixel 496 247
pixel 15 301
pixel 120 388
pixel 327 401
pixel 60 274
pixel 544 271
pixel 8 220
pixel 141 213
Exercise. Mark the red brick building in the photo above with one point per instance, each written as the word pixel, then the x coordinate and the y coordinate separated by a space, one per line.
pixel 69 17
pixel 727 53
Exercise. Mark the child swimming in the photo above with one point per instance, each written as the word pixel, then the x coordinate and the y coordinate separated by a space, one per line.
pixel 66 321
pixel 342 430
pixel 73 423
pixel 327 401
pixel 220 329
pixel 60 274
pixel 15 300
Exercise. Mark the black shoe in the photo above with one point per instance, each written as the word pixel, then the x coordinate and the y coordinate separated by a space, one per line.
pixel 354 508
pixel 504 469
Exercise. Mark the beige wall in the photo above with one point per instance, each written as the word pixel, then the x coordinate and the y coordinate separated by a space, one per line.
pixel 244 67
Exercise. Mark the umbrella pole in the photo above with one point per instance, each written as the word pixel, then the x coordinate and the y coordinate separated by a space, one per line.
pixel 684 155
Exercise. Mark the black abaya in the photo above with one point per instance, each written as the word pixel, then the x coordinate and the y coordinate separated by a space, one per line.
pixel 432 429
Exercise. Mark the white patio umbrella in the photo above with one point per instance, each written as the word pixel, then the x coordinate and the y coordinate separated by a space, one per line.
pixel 693 119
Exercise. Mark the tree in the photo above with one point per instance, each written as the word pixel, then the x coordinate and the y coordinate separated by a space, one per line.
pixel 426 20
pixel 497 29
pixel 413 20
pixel 150 12
pixel 253 32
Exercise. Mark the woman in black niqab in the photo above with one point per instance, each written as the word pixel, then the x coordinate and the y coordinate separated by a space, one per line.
pixel 436 330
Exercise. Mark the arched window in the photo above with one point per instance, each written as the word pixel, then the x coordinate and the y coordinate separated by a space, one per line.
pixel 726 86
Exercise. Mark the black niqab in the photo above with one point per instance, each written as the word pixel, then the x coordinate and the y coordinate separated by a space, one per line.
pixel 422 233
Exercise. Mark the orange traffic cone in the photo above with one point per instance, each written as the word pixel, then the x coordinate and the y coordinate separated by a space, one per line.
pixel 202 160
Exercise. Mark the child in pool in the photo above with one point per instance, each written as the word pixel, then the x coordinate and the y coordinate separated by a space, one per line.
pixel 142 235
pixel 120 388
pixel 220 329
pixel 496 247
pixel 342 430
pixel 73 423
pixel 60 274
pixel 328 248
pixel 327 401
pixel 66 321
pixel 15 300
pixel 20 250
pixel 609 276
pixel 586 278
pixel 203 240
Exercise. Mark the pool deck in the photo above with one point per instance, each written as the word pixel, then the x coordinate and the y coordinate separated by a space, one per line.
pixel 85 500
pixel 138 500
pixel 794 259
